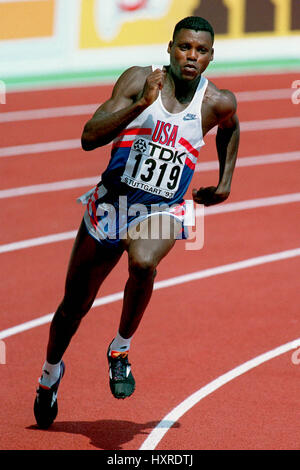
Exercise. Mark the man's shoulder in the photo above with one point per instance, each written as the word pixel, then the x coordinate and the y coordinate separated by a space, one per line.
pixel 222 100
pixel 137 71
pixel 131 81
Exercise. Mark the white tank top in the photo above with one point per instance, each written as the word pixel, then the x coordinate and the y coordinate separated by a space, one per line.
pixel 157 152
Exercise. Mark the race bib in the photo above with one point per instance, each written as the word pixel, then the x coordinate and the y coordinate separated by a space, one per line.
pixel 154 168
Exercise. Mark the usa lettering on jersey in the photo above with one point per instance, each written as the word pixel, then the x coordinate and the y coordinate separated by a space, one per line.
pixel 165 133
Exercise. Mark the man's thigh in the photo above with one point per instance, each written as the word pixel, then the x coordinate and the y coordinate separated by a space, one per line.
pixel 89 264
pixel 152 239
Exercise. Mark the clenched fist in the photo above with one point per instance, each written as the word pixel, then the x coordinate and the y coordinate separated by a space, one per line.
pixel 154 83
pixel 209 196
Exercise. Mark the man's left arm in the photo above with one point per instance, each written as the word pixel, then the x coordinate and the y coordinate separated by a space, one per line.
pixel 227 143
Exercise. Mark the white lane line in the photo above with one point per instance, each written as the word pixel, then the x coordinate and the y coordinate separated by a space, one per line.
pixel 92 180
pixel 251 204
pixel 254 160
pixel 265 95
pixel 46 113
pixel 49 187
pixel 31 242
pixel 266 124
pixel 174 415
pixel 85 109
pixel 228 207
pixel 30 149
pixel 205 273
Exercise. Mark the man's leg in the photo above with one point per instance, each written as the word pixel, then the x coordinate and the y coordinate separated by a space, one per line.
pixel 144 255
pixel 89 265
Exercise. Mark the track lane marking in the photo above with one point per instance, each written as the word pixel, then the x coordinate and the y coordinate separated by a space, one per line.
pixel 38 241
pixel 265 95
pixel 250 204
pixel 46 113
pixel 157 434
pixel 50 187
pixel 254 160
pixel 182 279
pixel 228 207
pixel 42 147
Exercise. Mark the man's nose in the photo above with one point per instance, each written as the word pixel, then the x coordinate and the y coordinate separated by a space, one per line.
pixel 192 54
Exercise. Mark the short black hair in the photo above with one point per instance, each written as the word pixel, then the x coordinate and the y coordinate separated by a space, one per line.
pixel 196 23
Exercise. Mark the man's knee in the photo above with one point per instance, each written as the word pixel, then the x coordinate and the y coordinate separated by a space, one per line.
pixel 142 268
pixel 73 309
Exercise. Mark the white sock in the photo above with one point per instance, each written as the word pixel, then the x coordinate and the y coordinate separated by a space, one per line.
pixel 120 344
pixel 50 375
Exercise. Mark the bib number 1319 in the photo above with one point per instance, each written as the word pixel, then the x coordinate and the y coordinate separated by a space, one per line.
pixel 154 175
pixel 154 171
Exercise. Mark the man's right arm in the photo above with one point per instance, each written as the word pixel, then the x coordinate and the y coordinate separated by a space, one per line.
pixel 133 92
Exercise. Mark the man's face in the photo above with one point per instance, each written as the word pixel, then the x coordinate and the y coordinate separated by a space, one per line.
pixel 190 53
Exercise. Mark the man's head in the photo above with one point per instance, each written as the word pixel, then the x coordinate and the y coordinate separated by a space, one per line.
pixel 196 23
pixel 191 49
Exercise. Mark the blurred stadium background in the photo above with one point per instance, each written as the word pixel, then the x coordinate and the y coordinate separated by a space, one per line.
pixel 51 42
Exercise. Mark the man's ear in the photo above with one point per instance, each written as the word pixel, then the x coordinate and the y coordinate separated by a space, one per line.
pixel 169 46
pixel 212 54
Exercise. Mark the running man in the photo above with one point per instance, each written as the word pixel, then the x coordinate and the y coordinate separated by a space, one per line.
pixel 156 119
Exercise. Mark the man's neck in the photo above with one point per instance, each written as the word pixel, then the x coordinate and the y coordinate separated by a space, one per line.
pixel 183 90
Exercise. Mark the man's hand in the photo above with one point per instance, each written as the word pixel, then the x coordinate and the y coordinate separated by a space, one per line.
pixel 154 83
pixel 210 195
pixel 133 92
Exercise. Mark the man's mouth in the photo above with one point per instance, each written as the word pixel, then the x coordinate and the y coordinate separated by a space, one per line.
pixel 190 67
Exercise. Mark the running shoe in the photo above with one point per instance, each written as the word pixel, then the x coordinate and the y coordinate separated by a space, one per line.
pixel 45 404
pixel 121 381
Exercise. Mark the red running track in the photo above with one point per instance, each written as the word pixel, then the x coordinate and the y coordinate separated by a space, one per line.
pixel 191 334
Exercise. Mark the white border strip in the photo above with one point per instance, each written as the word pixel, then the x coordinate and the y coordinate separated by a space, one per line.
pixel 170 419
